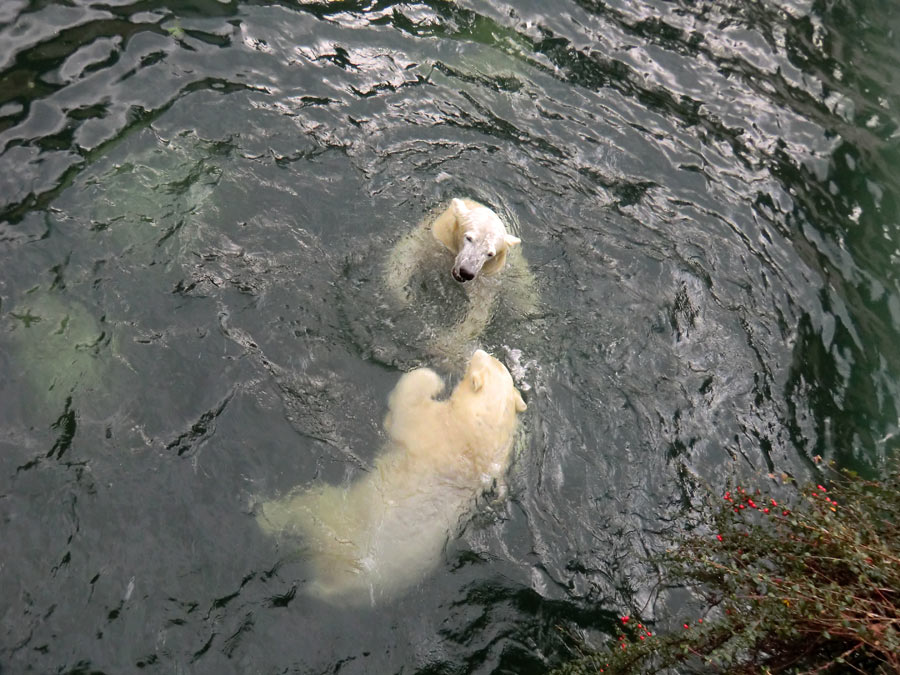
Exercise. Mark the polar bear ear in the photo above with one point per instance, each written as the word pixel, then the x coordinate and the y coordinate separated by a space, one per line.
pixel 520 402
pixel 477 380
pixel 511 240
pixel 446 226
pixel 459 206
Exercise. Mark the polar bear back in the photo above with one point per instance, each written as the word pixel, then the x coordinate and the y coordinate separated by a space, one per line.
pixel 387 530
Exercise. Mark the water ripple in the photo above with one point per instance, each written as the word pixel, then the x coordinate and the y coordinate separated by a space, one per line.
pixel 196 202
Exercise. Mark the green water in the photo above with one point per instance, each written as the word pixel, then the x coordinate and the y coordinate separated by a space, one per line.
pixel 196 203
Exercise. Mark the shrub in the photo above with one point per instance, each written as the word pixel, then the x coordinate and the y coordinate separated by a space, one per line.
pixel 809 587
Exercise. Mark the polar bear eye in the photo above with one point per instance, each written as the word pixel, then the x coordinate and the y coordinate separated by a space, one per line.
pixel 470 238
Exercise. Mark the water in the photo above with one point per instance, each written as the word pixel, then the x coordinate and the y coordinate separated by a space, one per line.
pixel 196 201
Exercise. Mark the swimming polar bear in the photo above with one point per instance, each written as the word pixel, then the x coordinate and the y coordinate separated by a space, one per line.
pixel 477 236
pixel 368 542
pixel 482 249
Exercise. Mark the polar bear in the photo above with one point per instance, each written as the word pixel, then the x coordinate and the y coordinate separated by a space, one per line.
pixel 476 235
pixel 382 534
pixel 482 248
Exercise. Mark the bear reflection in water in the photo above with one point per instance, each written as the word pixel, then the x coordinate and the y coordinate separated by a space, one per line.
pixel 385 532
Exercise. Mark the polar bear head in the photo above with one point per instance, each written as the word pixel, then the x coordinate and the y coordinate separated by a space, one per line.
pixel 476 235
pixel 486 397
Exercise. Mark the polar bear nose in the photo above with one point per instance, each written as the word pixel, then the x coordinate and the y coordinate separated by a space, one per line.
pixel 463 275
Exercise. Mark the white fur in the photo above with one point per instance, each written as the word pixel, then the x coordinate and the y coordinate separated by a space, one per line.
pixel 477 237
pixel 386 531
pixel 482 249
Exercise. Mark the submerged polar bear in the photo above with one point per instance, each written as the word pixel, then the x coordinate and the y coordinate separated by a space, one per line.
pixel 482 249
pixel 383 533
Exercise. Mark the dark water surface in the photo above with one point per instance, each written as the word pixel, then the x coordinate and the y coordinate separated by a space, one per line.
pixel 196 202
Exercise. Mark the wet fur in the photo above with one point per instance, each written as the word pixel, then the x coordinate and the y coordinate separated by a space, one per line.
pixel 503 277
pixel 384 532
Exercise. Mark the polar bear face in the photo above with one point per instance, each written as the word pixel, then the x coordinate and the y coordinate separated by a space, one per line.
pixel 477 236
